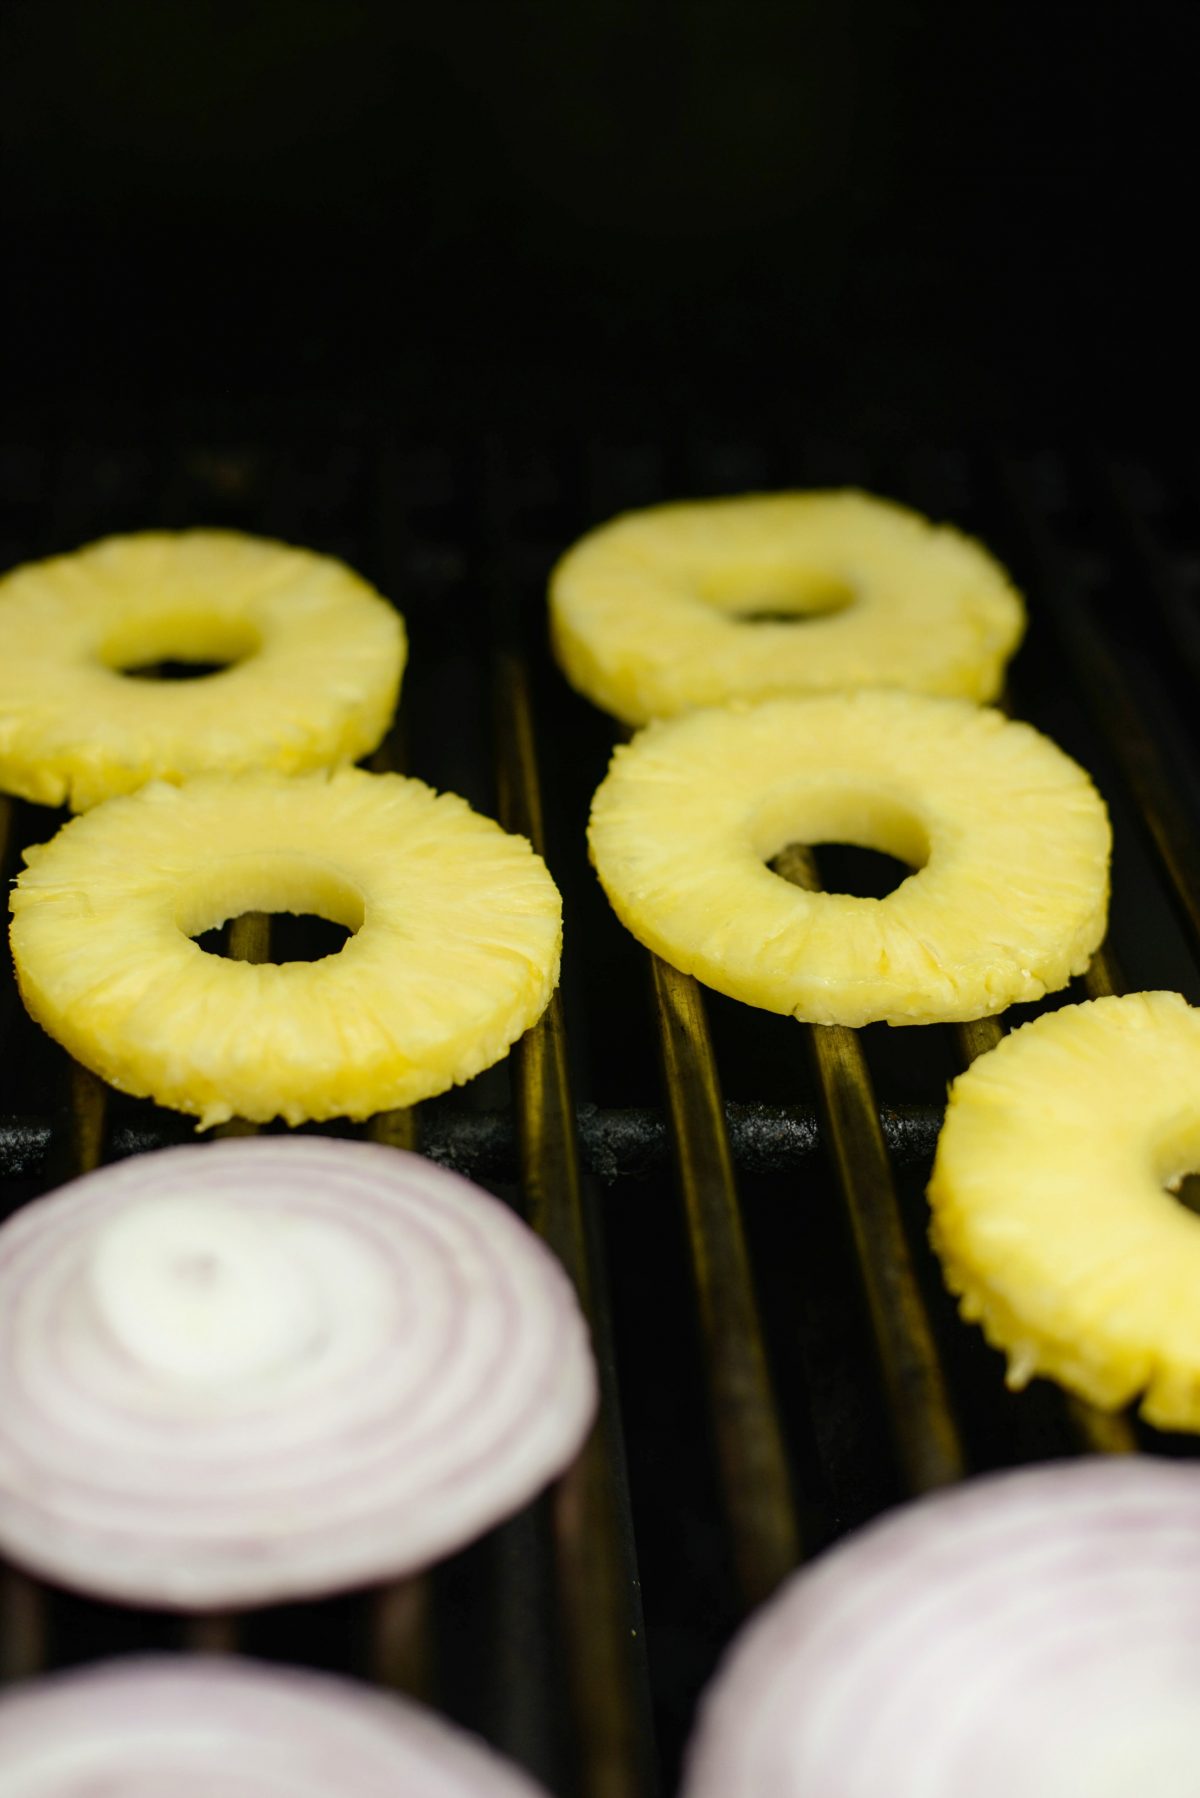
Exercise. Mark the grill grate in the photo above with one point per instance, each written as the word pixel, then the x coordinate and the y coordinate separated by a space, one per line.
pixel 745 1222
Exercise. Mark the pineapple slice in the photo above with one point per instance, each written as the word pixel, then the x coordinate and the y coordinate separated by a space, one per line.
pixel 456 951
pixel 1009 836
pixel 316 659
pixel 695 604
pixel 1051 1201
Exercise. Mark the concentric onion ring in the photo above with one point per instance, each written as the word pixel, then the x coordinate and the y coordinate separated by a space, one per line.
pixel 246 1371
pixel 137 1729
pixel 1035 1633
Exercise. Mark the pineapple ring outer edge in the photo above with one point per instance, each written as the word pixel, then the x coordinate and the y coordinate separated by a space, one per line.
pixel 457 955
pixel 1011 903
pixel 1050 1209
pixel 644 610
pixel 323 652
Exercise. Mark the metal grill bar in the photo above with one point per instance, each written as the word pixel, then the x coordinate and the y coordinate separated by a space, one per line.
pixel 1104 979
pixel 8 985
pixel 401 1652
pixel 88 1100
pixel 925 1431
pixel 593 1534
pixel 216 1633
pixel 25 1644
pixel 622 1143
pixel 400 1637
pixel 23 1626
pixel 248 938
pixel 24 1616
pixel 750 1451
pixel 1111 701
pixel 400 1128
pixel 1141 550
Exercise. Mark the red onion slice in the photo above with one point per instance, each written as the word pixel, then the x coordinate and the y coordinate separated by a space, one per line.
pixel 1029 1635
pixel 192 1728
pixel 252 1370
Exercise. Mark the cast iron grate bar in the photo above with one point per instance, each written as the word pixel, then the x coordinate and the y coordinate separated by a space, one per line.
pixel 619 1143
pixel 599 1590
pixel 25 1627
pixel 74 1142
pixel 8 984
pixel 1141 551
pixel 400 1623
pixel 750 1450
pixel 399 1128
pixel 924 1428
pixel 400 1653
pixel 1111 699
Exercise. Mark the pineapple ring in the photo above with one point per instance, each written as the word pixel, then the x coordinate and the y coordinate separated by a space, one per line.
pixel 1010 839
pixel 1051 1212
pixel 654 613
pixel 456 951
pixel 317 658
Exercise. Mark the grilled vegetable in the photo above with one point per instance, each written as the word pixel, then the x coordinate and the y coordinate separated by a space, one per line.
pixel 248 1371
pixel 1031 1633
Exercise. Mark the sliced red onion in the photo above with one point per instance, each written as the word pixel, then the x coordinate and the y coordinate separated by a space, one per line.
pixel 1029 1635
pixel 252 1370
pixel 193 1728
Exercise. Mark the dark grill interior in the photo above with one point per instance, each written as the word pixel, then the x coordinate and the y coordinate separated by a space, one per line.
pixel 739 1198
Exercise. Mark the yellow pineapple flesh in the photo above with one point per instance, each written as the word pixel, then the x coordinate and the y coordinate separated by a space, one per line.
pixel 1052 1213
pixel 694 604
pixel 455 953
pixel 1009 837
pixel 315 656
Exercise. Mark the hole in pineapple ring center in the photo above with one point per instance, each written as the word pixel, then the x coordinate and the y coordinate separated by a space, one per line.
pixel 776 593
pixel 1186 1188
pixel 291 937
pixel 326 908
pixel 846 868
pixel 178 646
pixel 872 841
pixel 1177 1164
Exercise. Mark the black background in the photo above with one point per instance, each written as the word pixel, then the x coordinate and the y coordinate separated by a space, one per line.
pixel 917 218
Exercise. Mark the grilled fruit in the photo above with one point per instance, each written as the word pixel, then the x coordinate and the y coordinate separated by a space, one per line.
pixel 1052 1206
pixel 695 604
pixel 314 658
pixel 1009 836
pixel 455 953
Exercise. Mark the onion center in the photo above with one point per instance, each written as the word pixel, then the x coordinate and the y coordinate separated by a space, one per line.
pixel 202 1294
